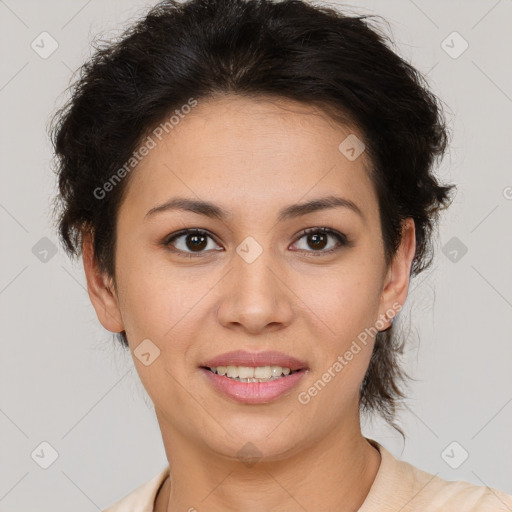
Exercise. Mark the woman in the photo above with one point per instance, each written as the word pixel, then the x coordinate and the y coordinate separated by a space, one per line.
pixel 251 187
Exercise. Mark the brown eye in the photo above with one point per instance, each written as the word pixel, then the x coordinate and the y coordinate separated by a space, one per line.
pixel 194 241
pixel 189 242
pixel 317 239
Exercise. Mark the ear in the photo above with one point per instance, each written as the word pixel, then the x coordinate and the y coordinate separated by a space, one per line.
pixel 396 283
pixel 99 287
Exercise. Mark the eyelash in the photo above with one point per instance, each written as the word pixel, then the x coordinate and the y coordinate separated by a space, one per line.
pixel 340 237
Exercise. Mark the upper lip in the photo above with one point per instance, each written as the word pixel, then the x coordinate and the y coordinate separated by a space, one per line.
pixel 253 359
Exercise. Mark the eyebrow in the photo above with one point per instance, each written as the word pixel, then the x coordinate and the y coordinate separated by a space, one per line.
pixel 212 210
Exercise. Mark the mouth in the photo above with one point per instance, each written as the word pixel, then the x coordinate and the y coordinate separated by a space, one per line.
pixel 253 377
pixel 253 385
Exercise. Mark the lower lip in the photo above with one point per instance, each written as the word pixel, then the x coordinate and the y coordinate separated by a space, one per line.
pixel 254 392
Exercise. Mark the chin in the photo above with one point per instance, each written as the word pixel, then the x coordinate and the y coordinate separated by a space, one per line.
pixel 262 440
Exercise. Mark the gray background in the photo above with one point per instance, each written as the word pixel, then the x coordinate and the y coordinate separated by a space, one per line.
pixel 64 381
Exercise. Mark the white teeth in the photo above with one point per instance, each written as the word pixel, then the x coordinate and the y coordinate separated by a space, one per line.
pixel 245 372
pixel 262 372
pixel 251 374
pixel 277 370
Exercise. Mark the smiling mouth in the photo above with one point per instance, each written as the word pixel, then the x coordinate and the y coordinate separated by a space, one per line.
pixel 250 374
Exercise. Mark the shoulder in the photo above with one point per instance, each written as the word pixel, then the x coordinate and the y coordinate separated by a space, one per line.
pixel 142 498
pixel 405 487
pixel 441 495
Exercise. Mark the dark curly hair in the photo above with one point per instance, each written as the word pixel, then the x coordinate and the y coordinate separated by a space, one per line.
pixel 291 49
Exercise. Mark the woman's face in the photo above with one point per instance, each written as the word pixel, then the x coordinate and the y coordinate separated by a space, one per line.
pixel 255 281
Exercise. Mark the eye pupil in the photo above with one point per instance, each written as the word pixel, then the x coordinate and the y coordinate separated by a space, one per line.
pixel 315 237
pixel 195 243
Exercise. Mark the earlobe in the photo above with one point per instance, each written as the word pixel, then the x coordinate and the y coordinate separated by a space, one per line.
pixel 100 289
pixel 396 285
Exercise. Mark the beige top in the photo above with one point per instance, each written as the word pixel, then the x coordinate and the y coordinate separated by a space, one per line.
pixel 398 486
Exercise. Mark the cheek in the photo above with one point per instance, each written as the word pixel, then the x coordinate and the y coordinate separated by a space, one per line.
pixel 346 299
pixel 347 305
pixel 152 299
pixel 158 306
pixel 358 301
pixel 165 304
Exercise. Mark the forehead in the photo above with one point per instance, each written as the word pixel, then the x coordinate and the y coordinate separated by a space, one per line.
pixel 250 152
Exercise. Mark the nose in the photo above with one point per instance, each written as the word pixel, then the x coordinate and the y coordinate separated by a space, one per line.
pixel 255 296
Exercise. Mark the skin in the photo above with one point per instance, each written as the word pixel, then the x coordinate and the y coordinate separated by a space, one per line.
pixel 253 157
